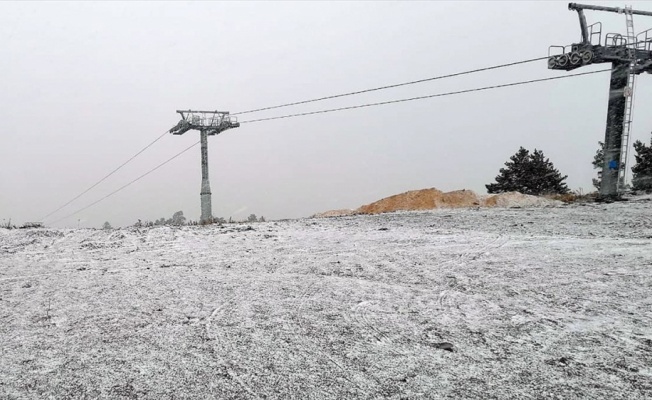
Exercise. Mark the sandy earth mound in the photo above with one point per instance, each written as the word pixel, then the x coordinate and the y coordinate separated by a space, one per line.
pixel 335 213
pixel 425 199
pixel 428 199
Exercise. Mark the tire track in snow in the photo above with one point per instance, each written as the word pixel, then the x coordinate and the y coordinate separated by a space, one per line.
pixel 476 253
pixel 320 352
pixel 229 371
pixel 112 270
pixel 360 314
pixel 448 299
pixel 76 270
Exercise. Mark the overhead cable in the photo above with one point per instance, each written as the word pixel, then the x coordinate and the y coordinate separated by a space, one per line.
pixel 128 184
pixel 392 86
pixel 423 97
pixel 103 179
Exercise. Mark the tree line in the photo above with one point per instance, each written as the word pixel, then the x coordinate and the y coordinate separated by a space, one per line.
pixel 532 173
pixel 178 219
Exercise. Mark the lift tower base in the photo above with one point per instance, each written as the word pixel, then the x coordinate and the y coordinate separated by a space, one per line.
pixel 614 131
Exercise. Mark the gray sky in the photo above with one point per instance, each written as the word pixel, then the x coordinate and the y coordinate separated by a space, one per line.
pixel 84 86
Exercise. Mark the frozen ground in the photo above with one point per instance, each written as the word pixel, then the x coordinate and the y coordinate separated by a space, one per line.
pixel 537 303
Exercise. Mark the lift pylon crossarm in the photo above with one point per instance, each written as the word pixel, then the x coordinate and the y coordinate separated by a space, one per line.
pixel 211 122
pixel 182 127
pixel 617 48
pixel 202 112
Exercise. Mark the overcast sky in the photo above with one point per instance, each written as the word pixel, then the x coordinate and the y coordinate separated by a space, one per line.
pixel 84 86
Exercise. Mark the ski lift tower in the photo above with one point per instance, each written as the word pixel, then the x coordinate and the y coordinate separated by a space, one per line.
pixel 208 123
pixel 629 55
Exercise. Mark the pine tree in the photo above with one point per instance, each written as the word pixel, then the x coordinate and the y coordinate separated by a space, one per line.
pixel 510 177
pixel 642 170
pixel 598 162
pixel 529 174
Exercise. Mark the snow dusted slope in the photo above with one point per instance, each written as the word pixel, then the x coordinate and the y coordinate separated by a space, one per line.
pixel 537 303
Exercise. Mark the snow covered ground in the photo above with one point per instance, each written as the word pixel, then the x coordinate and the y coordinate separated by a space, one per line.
pixel 537 303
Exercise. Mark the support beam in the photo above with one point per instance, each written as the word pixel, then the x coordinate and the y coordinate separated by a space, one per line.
pixel 614 132
pixel 585 30
pixel 206 208
pixel 577 7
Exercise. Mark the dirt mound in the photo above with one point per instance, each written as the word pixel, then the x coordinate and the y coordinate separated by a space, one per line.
pixel 425 199
pixel 516 199
pixel 334 213
pixel 428 199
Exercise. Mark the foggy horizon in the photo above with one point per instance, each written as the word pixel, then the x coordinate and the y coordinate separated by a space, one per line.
pixel 87 85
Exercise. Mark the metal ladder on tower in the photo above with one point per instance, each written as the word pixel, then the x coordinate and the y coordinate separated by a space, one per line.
pixel 629 99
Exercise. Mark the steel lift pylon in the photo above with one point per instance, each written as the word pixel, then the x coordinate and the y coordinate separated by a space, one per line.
pixel 629 56
pixel 208 123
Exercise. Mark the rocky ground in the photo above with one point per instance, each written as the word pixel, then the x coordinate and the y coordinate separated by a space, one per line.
pixel 499 303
